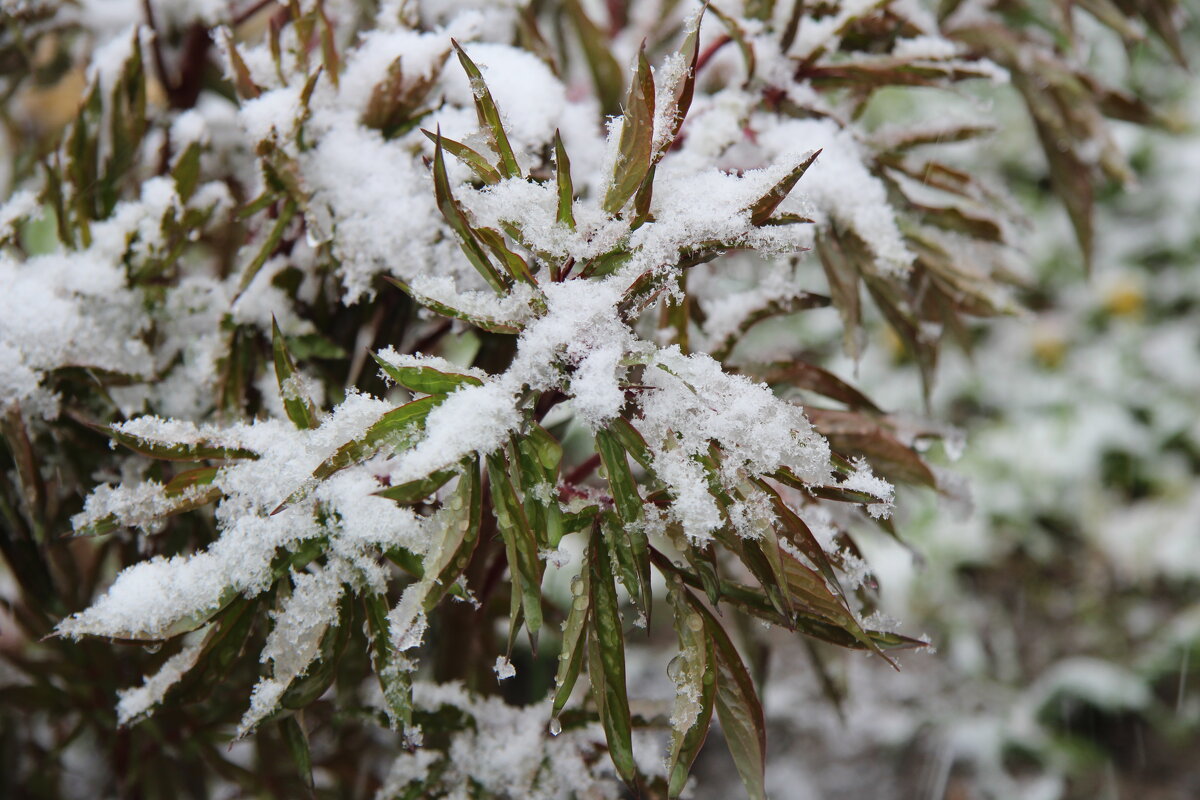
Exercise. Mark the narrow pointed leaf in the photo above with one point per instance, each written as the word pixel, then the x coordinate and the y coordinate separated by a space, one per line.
pixel 321 674
pixel 628 537
pixel 426 380
pixel 539 456
pixel 635 145
pixel 804 375
pixel 489 115
pixel 472 158
pixel 513 264
pixel 296 740
pixel 174 451
pixel 187 491
pixel 396 430
pixel 246 88
pixel 519 541
pixel 764 207
pixel 329 53
pixel 274 237
pixel 418 490
pixel 738 707
pixel 606 660
pixel 687 87
pixel 574 642
pixel 739 35
pixel 296 404
pixel 186 171
pixel 459 223
pixel 394 680
pixel 452 554
pixel 694 671
pixel 566 187
pixel 631 440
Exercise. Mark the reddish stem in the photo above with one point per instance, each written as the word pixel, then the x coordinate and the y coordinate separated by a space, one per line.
pixel 583 470
pixel 711 51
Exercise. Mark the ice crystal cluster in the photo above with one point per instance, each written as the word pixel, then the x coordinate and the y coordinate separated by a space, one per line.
pixel 376 326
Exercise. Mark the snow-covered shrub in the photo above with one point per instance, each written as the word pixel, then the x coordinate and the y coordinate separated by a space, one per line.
pixel 559 237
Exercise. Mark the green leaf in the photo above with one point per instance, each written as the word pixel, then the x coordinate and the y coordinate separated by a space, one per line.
pixel 426 380
pixel 202 450
pixel 418 490
pixel 189 622
pixel 539 455
pixel 396 430
pixel 580 520
pixel 489 115
pixel 186 171
pixel 459 223
pixel 606 660
pixel 566 187
pixel 574 642
pixel 635 145
pixel 738 706
pixel 763 208
pixel 269 244
pixel 478 164
pixel 449 557
pixel 620 479
pixel 260 203
pixel 631 440
pixel 627 537
pixel 395 680
pixel 704 562
pixel 296 739
pixel 762 558
pixel 513 264
pixel 694 671
pixel 520 544
pixel 224 643
pixel 296 403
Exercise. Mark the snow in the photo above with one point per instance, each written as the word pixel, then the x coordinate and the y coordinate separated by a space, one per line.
pixel 136 701
pixel 522 758
pixel 693 402
pixel 295 640
pixel 504 669
pixel 839 186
